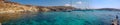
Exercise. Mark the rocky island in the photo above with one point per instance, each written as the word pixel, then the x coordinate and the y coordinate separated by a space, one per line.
pixel 56 8
pixel 109 9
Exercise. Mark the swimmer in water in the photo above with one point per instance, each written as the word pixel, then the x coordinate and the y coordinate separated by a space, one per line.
pixel 115 21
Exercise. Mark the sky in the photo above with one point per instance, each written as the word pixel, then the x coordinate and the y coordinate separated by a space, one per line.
pixel 75 3
pixel 105 3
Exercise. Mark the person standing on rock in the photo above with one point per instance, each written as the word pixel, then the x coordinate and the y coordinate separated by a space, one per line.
pixel 0 24
pixel 115 21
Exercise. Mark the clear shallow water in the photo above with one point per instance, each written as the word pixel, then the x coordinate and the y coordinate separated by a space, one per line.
pixel 67 18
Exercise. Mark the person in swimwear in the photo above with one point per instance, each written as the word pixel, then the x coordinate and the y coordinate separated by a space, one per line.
pixel 115 21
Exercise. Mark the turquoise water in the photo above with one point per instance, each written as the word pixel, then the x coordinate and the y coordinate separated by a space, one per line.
pixel 67 18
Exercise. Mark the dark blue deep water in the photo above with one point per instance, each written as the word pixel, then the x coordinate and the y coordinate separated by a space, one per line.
pixel 67 18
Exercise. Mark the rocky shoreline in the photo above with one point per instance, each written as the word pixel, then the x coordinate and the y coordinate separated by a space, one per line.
pixel 11 7
pixel 12 10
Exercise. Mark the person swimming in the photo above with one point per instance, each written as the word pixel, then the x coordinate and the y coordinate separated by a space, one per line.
pixel 115 21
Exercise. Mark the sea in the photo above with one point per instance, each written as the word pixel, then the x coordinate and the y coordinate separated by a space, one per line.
pixel 95 17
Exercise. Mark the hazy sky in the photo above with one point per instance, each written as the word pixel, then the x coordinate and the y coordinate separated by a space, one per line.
pixel 75 3
pixel 105 3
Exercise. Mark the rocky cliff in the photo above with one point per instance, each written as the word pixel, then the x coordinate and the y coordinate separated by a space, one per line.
pixel 12 7
pixel 12 10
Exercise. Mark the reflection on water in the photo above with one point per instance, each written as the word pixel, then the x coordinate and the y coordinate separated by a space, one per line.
pixel 4 17
pixel 63 18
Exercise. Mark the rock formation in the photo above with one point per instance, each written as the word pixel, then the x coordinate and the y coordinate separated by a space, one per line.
pixel 12 10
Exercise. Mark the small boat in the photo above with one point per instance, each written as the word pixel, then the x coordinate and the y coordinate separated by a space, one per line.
pixel 115 21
